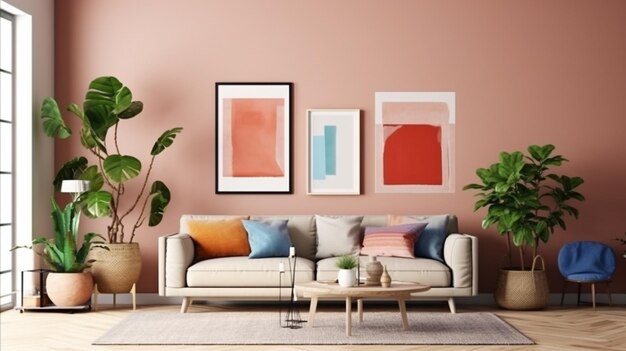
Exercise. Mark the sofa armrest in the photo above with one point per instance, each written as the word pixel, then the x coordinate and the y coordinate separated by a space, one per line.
pixel 460 252
pixel 176 253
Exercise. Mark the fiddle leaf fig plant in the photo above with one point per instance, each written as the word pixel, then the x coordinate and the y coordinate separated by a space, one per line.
pixel 107 103
pixel 526 201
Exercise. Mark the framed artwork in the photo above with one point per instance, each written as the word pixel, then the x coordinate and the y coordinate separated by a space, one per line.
pixel 414 141
pixel 253 138
pixel 333 152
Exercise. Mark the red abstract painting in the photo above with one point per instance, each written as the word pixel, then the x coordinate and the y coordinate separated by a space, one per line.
pixel 412 155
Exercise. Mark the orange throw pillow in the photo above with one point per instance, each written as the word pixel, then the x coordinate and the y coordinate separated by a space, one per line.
pixel 219 238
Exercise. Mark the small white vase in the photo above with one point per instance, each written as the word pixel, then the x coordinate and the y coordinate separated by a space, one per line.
pixel 346 278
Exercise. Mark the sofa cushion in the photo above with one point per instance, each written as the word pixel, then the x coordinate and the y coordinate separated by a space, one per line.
pixel 218 238
pixel 395 240
pixel 337 236
pixel 415 270
pixel 301 232
pixel 430 243
pixel 247 272
pixel 267 238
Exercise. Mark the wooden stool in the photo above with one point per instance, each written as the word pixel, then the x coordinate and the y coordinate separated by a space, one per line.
pixel 132 292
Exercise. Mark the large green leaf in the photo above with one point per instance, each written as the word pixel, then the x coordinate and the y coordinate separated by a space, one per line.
pixel 69 253
pixel 108 91
pixel 72 169
pixel 95 178
pixel 106 98
pixel 120 168
pixel 133 110
pixel 87 136
pixel 540 153
pixel 59 224
pixel 160 200
pixel 53 123
pixel 98 203
pixel 510 165
pixel 100 119
pixel 165 140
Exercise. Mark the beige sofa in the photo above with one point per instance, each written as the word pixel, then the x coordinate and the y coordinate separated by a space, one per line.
pixel 243 278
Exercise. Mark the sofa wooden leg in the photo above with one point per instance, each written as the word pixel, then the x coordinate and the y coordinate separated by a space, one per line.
pixel 451 305
pixel 187 301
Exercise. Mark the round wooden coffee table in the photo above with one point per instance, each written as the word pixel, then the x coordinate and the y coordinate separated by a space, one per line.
pixel 397 291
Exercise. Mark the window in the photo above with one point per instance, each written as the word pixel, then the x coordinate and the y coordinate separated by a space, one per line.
pixel 7 85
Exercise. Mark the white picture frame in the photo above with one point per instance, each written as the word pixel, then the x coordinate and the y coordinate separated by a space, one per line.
pixel 333 151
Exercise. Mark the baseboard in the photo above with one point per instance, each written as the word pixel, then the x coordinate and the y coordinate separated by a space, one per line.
pixel 480 299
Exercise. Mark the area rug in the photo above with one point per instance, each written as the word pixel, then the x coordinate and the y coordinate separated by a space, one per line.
pixel 262 328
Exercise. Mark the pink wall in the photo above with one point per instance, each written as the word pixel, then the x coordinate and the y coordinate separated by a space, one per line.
pixel 523 71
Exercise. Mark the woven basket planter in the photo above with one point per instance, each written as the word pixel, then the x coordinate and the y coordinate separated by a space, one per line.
pixel 523 290
pixel 116 271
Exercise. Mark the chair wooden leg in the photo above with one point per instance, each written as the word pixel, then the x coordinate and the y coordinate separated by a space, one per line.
pixel 608 290
pixel 578 301
pixel 593 295
pixel 563 293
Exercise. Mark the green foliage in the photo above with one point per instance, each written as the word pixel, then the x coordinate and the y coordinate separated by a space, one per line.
pixel 107 102
pixel 160 199
pixel 524 199
pixel 72 169
pixel 165 140
pixel 53 123
pixel 346 262
pixel 121 168
pixel 62 253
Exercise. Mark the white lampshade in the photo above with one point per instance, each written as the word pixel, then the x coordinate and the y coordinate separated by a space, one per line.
pixel 74 186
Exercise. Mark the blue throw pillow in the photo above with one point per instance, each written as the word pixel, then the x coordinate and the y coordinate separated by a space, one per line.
pixel 267 238
pixel 430 243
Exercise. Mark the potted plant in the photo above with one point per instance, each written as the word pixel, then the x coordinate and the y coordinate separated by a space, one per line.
pixel 107 103
pixel 70 284
pixel 347 275
pixel 525 201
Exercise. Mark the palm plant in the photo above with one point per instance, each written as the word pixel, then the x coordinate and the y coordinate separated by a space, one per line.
pixel 62 253
pixel 107 103
pixel 524 199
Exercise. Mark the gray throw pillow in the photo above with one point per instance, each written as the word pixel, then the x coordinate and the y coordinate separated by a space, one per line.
pixel 337 236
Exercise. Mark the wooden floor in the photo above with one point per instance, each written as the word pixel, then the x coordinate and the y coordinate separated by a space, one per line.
pixel 568 328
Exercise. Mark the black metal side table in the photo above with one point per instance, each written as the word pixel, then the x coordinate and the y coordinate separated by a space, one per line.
pixel 43 307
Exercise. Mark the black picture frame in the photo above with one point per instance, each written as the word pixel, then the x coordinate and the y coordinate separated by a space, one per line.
pixel 253 138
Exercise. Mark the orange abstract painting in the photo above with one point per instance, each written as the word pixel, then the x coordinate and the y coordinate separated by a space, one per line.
pixel 255 128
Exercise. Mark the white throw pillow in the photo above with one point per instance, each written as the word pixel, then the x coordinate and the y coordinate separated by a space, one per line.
pixel 337 236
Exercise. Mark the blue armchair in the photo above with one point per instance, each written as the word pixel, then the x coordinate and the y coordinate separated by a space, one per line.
pixel 587 262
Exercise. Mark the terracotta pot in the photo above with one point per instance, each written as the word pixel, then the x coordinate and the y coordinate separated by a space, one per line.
pixel 69 289
pixel 116 271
